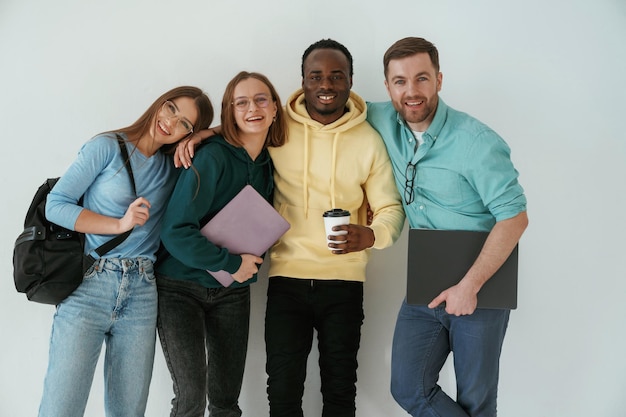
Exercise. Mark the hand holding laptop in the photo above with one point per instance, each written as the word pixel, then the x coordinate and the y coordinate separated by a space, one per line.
pixel 460 299
pixel 249 267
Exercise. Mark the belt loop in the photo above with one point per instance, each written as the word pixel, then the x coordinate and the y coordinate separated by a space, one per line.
pixel 143 263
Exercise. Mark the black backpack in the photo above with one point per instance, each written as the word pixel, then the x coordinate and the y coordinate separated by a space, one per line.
pixel 49 260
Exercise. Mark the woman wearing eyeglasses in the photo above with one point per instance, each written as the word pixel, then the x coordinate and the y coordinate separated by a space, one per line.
pixel 203 326
pixel 117 300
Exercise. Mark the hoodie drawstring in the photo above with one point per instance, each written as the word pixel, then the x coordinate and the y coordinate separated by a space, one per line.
pixel 305 180
pixel 333 168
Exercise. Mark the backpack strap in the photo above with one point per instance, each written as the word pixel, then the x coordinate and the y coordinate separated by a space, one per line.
pixel 113 243
pixel 129 168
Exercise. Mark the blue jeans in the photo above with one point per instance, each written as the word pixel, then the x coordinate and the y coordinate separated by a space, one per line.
pixel 294 308
pixel 204 336
pixel 115 304
pixel 422 341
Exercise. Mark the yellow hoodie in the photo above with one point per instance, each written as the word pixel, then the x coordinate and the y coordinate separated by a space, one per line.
pixel 322 167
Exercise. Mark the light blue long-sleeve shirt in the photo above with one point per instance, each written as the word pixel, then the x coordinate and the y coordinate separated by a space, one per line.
pixel 464 178
pixel 98 173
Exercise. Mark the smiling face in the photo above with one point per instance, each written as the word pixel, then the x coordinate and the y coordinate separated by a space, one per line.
pixel 413 85
pixel 254 108
pixel 174 120
pixel 326 83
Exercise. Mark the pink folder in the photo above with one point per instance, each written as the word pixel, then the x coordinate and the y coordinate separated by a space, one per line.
pixel 247 224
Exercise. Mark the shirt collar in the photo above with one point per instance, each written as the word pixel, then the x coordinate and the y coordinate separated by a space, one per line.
pixel 441 114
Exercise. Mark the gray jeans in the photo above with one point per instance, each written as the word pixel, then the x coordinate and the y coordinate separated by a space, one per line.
pixel 204 336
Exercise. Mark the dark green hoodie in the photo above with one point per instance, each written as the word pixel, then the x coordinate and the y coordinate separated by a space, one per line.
pixel 221 171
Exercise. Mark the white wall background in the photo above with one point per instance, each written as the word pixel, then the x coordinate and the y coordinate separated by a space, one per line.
pixel 548 75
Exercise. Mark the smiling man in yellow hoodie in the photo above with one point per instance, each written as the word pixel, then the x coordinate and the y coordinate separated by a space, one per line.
pixel 333 159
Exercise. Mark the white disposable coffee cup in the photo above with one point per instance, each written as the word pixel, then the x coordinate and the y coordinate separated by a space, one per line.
pixel 335 217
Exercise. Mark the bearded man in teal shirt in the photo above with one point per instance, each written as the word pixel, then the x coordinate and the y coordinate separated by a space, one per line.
pixel 454 173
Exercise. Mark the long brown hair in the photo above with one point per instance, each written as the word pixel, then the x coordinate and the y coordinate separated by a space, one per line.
pixel 278 130
pixel 144 123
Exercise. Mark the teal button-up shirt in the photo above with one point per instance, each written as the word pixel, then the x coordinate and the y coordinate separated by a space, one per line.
pixel 464 177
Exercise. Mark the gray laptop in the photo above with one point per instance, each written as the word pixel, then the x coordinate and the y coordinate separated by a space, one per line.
pixel 438 259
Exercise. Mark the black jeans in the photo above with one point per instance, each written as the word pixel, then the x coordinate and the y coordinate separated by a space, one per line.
pixel 294 308
pixel 204 336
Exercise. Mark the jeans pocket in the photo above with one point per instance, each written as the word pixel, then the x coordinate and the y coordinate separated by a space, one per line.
pixel 92 271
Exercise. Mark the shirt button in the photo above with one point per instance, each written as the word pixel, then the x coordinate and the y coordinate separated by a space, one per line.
pixel 421 207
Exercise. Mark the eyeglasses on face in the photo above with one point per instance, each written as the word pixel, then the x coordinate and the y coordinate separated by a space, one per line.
pixel 243 103
pixel 183 125
pixel 409 174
